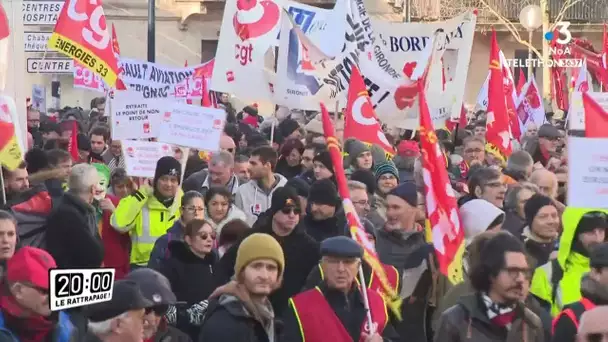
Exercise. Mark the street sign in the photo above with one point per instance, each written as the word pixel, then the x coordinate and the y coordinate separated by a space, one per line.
pixel 36 41
pixel 40 12
pixel 50 65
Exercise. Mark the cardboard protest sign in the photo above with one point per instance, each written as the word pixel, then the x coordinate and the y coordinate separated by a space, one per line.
pixel 135 117
pixel 141 156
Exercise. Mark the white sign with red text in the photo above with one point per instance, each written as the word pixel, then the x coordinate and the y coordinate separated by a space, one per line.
pixel 135 117
pixel 588 172
pixel 192 126
pixel 141 156
pixel 86 79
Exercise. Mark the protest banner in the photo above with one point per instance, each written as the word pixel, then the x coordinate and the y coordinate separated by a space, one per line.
pixel 86 79
pixel 82 33
pixel 153 80
pixel 11 148
pixel 531 109
pixel 588 172
pixel 141 156
pixel 135 117
pixel 248 31
pixel 404 47
pixel 192 126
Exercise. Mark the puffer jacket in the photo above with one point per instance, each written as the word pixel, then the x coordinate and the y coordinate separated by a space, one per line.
pixel 468 321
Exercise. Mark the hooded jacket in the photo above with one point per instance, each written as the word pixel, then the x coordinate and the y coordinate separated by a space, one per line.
pixel 146 219
pixel 233 316
pixel 468 321
pixel 253 200
pixel 594 293
pixel 572 267
pixel 321 230
pixel 477 216
pixel 234 213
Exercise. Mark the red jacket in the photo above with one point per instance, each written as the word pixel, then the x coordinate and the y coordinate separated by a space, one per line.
pixel 116 245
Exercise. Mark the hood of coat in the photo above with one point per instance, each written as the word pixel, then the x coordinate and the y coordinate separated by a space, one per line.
pixel 180 250
pixel 237 301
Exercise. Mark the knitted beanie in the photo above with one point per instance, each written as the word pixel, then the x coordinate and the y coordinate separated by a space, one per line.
pixel 385 167
pixel 534 205
pixel 259 246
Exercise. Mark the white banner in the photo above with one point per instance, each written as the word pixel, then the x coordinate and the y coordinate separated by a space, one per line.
pixel 135 117
pixel 141 156
pixel 193 126
pixel 531 108
pixel 405 42
pixel 587 174
pixel 248 33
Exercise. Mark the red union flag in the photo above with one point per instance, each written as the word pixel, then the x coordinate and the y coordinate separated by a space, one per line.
pixel 82 33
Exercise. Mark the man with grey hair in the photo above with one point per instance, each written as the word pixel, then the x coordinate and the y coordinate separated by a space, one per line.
pixel 519 166
pixel 360 199
pixel 219 173
pixel 72 237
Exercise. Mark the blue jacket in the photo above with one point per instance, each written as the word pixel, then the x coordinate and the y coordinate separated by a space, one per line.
pixel 64 330
pixel 160 251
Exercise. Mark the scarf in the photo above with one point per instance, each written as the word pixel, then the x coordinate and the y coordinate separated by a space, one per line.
pixel 500 314
pixel 464 169
pixel 29 329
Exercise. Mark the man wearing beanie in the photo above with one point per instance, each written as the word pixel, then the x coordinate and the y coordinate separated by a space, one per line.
pixel 558 282
pixel 282 222
pixel 335 310
pixel 148 213
pixel 542 230
pixel 322 166
pixel 302 189
pixel 241 310
pixel 594 291
pixel 386 178
pixel 359 156
pixel 325 217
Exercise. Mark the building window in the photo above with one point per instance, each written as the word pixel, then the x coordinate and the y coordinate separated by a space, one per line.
pixel 208 47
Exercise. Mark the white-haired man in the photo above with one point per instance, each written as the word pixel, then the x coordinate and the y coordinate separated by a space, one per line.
pixel 72 237
pixel 219 173
pixel 122 317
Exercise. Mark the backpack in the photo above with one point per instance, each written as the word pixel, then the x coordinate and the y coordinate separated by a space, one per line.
pixel 32 211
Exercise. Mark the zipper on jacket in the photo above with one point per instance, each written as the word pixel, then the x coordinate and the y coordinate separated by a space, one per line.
pixel 162 216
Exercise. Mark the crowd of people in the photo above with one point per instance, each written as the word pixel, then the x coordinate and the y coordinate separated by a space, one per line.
pixel 250 243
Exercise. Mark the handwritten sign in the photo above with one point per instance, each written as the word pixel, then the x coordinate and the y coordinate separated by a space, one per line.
pixel 193 126
pixel 135 117
pixel 141 156
pixel 588 172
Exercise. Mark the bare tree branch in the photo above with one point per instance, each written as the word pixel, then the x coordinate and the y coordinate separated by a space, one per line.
pixel 562 12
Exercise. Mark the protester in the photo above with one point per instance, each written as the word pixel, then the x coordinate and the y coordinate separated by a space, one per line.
pixel 322 167
pixel 233 232
pixel 359 156
pixel 25 313
pixel 72 233
pixel 220 173
pixel 542 228
pixel 594 292
pixel 302 188
pixel 495 312
pixel 8 238
pixel 113 155
pixel 121 185
pixel 150 211
pixel 221 209
pixel 15 182
pixel 478 216
pixel 324 216
pixel 241 168
pixel 290 159
pixel 546 181
pixel 515 200
pixel 99 137
pixel 519 166
pixel 122 317
pixel 593 325
pixel 281 221
pixel 255 196
pixel 240 310
pixel 486 183
pixel 192 208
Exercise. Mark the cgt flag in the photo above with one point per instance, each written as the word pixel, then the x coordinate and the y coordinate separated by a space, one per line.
pixel 82 33
pixel 356 228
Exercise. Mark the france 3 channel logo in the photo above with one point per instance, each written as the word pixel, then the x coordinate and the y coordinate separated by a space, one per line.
pixel 79 287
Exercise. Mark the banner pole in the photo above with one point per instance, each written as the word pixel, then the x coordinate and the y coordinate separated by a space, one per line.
pixel 3 189
pixel 372 329
pixel 272 131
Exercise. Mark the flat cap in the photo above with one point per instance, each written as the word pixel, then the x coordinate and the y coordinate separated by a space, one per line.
pixel 341 247
pixel 548 131
pixel 126 296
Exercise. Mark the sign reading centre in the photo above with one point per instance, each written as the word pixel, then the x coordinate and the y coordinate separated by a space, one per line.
pixel 50 65
pixel 41 12
pixel 36 41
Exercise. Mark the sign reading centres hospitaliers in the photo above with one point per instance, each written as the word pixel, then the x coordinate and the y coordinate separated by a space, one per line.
pixel 82 33
pixel 141 156
pixel 192 126
pixel 135 117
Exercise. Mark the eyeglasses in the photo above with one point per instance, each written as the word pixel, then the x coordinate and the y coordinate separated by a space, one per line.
pixel 514 272
pixel 194 209
pixel 473 150
pixel 205 236
pixel 289 210
pixel 387 177
pixel 361 202
pixel 158 310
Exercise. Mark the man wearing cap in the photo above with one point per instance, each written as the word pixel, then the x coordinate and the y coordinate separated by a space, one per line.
pixel 545 145
pixel 25 312
pixel 241 310
pixel 148 213
pixel 301 251
pixel 121 318
pixel 594 291
pixel 335 310
pixel 323 166
pixel 325 216
pixel 358 156
pixel 156 288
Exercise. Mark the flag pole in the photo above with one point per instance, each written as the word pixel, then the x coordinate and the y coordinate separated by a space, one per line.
pixel 4 190
pixel 272 131
pixel 372 329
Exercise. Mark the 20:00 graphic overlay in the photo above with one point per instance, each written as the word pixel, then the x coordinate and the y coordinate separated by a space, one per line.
pixel 73 288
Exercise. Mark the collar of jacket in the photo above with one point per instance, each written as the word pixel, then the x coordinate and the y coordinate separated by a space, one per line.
pixel 78 203
pixel 476 309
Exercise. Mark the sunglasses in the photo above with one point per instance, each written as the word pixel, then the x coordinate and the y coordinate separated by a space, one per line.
pixel 158 310
pixel 205 236
pixel 289 210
